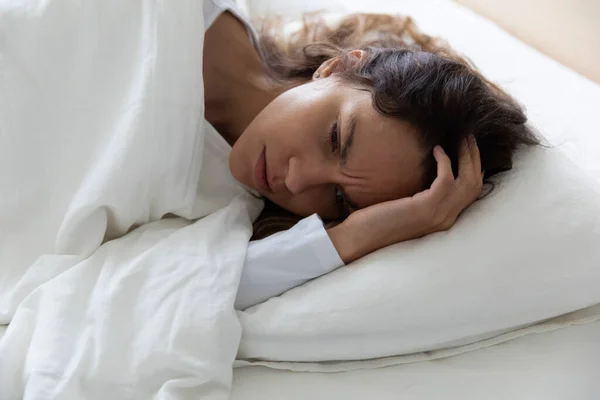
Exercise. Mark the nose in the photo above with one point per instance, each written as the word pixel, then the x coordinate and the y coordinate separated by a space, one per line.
pixel 304 176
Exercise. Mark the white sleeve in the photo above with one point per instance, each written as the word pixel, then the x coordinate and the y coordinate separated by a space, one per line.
pixel 285 260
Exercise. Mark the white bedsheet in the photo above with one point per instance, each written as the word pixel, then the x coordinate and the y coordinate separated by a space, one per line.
pixel 101 130
pixel 91 98
pixel 560 365
pixel 149 315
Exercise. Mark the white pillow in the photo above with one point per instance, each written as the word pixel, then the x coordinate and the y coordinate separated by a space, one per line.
pixel 527 252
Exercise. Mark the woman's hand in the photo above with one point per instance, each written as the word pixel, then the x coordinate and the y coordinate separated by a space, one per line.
pixel 435 209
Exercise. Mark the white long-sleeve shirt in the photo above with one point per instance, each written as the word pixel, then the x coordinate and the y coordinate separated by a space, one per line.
pixel 287 259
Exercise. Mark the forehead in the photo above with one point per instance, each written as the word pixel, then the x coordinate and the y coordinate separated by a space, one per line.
pixel 385 160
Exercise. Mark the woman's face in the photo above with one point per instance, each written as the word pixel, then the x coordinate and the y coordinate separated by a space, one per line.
pixel 322 148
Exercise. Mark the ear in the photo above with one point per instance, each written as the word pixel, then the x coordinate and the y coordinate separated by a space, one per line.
pixel 334 65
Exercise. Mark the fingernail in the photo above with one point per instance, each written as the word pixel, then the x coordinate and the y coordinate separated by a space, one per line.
pixel 472 138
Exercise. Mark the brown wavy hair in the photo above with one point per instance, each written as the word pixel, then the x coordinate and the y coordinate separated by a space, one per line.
pixel 411 76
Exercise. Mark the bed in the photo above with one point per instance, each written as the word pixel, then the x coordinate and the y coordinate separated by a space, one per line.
pixel 563 364
pixel 558 364
pixel 134 317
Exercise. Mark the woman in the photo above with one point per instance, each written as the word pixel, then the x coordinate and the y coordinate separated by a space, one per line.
pixel 352 124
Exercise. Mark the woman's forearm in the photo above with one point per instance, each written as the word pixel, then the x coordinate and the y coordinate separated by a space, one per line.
pixel 349 243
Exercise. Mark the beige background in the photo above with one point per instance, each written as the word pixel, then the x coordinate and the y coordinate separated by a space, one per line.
pixel 566 30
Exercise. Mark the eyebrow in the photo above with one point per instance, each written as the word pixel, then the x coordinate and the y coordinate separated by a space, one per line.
pixel 345 153
pixel 349 140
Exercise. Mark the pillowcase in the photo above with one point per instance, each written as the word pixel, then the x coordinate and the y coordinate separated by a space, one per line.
pixel 526 253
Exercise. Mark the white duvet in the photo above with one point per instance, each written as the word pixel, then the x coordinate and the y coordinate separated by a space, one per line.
pixel 101 131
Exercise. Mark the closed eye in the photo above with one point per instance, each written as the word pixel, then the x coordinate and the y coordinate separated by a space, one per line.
pixel 334 137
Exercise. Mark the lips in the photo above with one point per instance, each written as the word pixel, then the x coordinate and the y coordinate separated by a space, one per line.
pixel 260 173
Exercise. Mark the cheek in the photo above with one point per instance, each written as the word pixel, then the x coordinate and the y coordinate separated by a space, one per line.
pixel 242 159
pixel 235 166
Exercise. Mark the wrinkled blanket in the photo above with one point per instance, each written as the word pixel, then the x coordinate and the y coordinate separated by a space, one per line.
pixel 102 134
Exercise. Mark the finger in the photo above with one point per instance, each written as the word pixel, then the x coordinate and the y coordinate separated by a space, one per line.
pixel 444 166
pixel 465 161
pixel 470 177
pixel 475 156
pixel 444 182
